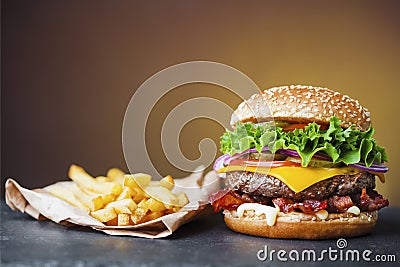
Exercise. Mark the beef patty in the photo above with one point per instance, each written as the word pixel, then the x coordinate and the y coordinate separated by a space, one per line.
pixel 268 186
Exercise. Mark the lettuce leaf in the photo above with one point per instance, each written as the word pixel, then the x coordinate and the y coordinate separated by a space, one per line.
pixel 348 146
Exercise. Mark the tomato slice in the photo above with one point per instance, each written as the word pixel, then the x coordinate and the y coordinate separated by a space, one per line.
pixel 293 127
pixel 270 164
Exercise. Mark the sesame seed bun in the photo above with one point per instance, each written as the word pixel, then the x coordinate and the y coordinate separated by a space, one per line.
pixel 299 225
pixel 302 104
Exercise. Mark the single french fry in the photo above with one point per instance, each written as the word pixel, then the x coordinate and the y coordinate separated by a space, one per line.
pixel 143 205
pixel 104 215
pixel 98 203
pixel 161 194
pixel 155 205
pixel 135 219
pixel 138 195
pixel 66 194
pixel 103 179
pixel 152 216
pixel 126 206
pixel 175 209
pixel 182 199
pixel 107 198
pixel 126 193
pixel 154 183
pixel 102 200
pixel 167 182
pixel 84 180
pixel 130 182
pixel 92 201
pixel 123 219
pixel 140 212
pixel 113 222
pixel 116 175
pixel 137 180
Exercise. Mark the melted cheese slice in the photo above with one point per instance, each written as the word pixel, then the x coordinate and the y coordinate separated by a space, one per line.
pixel 296 178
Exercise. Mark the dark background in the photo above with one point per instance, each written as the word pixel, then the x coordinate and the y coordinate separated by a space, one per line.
pixel 69 69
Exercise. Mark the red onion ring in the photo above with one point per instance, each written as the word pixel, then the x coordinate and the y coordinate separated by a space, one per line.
pixel 372 168
pixel 225 159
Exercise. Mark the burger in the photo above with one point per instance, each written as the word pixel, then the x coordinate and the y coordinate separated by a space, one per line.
pixel 300 162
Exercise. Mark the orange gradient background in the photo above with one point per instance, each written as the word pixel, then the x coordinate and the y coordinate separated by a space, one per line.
pixel 69 69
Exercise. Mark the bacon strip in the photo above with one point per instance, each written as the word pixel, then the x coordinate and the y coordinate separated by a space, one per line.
pixel 228 200
pixel 370 200
pixel 308 206
pixel 367 200
pixel 338 204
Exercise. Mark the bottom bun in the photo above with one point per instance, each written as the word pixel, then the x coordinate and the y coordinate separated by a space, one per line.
pixel 335 227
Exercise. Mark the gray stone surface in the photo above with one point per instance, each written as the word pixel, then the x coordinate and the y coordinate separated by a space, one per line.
pixel 205 242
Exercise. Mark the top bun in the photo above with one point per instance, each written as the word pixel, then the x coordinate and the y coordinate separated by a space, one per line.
pixel 302 104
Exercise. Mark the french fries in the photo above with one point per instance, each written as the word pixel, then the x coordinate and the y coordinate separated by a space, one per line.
pixel 83 179
pixel 119 199
pixel 92 202
pixel 104 215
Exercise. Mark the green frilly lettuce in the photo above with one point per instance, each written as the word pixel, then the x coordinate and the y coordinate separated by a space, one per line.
pixel 342 145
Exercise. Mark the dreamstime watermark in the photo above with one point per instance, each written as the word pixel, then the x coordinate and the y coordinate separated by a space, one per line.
pixel 338 253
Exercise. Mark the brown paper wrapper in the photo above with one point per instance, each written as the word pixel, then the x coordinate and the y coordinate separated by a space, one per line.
pixel 41 205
